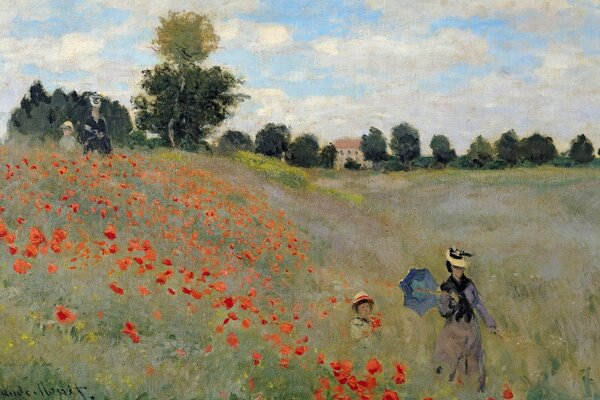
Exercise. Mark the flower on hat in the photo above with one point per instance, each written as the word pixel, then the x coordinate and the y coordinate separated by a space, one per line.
pixel 457 257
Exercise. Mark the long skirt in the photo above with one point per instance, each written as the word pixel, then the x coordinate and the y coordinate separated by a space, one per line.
pixel 459 350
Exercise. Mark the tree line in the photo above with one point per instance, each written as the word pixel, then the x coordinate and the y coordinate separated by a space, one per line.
pixel 403 150
pixel 183 102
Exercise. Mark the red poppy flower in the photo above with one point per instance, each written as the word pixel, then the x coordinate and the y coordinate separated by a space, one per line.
pixel 52 268
pixel 390 395
pixel 506 392
pixel 130 331
pixel 233 340
pixel 286 327
pixel 116 289
pixel 21 266
pixel 110 232
pixel 321 358
pixel 218 286
pixel 256 357
pixel 300 350
pixel 59 235
pixel 228 302
pixel 64 316
pixel 30 251
pixel 373 366
pixel 143 291
pixel 36 237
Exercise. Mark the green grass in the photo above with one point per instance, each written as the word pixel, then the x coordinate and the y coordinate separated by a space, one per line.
pixel 275 170
pixel 534 233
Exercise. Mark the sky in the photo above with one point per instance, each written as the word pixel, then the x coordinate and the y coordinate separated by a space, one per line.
pixel 334 68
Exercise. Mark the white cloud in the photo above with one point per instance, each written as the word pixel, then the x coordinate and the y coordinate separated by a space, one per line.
pixel 374 58
pixel 258 37
pixel 411 11
pixel 217 8
pixel 71 52
pixel 560 58
pixel 273 35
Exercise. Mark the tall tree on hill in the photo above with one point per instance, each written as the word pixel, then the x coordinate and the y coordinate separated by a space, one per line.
pixel 374 146
pixel 328 155
pixel 537 149
pixel 405 143
pixel 507 147
pixel 273 140
pixel 582 150
pixel 480 152
pixel 182 100
pixel 442 153
pixel 303 151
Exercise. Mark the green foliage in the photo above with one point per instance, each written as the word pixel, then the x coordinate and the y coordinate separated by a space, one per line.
pixel 303 152
pixel 442 153
pixel 185 37
pixel 507 147
pixel 394 164
pixel 374 146
pixel 480 152
pixel 138 138
pixel 537 149
pixel 423 162
pixel 405 143
pixel 564 162
pixel 273 140
pixel 232 141
pixel 41 115
pixel 183 104
pixel 582 150
pixel 351 164
pixel 327 156
pixel 275 170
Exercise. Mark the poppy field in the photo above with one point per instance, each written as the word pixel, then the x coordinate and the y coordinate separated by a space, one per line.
pixel 156 276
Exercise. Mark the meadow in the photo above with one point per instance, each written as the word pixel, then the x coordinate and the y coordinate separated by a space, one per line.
pixel 168 275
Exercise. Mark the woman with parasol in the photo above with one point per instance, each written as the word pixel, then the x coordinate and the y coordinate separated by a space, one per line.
pixel 459 347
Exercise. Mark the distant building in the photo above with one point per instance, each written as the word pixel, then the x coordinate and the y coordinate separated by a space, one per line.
pixel 348 148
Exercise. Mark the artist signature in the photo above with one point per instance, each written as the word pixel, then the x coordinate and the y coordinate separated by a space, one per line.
pixel 43 390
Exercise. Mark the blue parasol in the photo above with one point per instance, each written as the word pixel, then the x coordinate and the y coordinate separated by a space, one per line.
pixel 419 289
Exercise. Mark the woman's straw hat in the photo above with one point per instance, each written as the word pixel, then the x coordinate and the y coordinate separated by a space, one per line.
pixel 457 257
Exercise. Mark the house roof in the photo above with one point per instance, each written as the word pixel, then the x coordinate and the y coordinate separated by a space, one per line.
pixel 347 143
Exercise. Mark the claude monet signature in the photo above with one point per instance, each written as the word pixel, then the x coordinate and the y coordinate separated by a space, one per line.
pixel 44 390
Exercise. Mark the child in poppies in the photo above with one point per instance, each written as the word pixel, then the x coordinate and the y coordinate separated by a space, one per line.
pixel 365 329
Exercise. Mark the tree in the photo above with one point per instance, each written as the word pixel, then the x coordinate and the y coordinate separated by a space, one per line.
pixel 537 149
pixel 351 164
pixel 273 140
pixel 507 147
pixel 41 114
pixel 405 143
pixel 327 156
pixel 374 146
pixel 303 152
pixel 480 152
pixel 582 150
pixel 234 141
pixel 181 100
pixel 442 153
pixel 185 37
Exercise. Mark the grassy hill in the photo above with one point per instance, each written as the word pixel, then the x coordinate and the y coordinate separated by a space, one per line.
pixel 187 276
